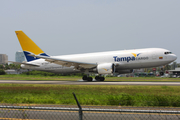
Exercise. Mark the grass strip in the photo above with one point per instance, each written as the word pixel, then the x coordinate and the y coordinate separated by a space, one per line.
pixel 91 95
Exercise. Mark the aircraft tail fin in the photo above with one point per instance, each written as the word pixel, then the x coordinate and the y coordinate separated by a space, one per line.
pixel 28 46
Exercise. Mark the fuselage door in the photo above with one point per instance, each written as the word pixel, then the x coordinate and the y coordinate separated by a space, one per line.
pixel 154 57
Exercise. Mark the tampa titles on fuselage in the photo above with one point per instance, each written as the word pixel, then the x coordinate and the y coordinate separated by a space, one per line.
pixel 130 58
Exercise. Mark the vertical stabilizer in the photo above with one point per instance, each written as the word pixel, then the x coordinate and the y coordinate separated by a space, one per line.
pixel 28 46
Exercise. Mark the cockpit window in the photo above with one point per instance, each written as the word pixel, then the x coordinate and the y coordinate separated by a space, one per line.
pixel 167 53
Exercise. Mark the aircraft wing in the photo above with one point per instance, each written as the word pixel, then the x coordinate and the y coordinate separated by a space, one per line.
pixel 66 63
pixel 24 63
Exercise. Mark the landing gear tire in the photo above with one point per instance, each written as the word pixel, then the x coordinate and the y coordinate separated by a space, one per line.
pixel 99 78
pixel 102 78
pixel 84 77
pixel 89 79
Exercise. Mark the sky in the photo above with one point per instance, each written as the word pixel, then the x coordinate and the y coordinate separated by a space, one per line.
pixel 61 27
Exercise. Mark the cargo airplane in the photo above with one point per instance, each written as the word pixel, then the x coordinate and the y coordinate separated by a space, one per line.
pixel 120 62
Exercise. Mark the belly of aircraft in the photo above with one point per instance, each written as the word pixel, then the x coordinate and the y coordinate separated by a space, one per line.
pixel 142 65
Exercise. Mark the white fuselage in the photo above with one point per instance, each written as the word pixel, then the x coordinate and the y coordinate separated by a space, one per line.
pixel 123 59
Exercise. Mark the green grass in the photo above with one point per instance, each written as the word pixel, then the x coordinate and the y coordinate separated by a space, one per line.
pixel 91 95
pixel 38 77
pixel 88 94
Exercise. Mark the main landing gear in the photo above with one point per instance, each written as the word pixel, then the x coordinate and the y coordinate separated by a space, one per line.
pixel 85 77
pixel 98 78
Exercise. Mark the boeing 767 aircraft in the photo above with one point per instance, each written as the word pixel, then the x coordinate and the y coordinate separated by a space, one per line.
pixel 122 61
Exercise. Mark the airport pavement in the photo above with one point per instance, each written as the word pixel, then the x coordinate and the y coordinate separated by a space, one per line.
pixel 80 82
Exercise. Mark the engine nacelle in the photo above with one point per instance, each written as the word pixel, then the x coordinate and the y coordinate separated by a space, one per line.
pixel 105 68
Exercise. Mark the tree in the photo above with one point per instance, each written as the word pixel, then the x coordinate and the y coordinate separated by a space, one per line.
pixel 1 67
pixel 167 67
pixel 2 72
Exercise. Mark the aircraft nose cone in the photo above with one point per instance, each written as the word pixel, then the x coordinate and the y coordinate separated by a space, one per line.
pixel 174 57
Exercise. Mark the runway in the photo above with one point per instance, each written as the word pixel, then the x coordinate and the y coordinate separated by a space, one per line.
pixel 80 82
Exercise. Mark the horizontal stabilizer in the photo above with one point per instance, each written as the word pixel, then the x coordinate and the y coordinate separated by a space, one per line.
pixel 18 63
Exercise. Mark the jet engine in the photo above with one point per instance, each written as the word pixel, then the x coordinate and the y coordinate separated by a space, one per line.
pixel 105 68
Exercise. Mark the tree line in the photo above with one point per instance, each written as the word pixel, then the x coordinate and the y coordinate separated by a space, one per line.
pixel 9 66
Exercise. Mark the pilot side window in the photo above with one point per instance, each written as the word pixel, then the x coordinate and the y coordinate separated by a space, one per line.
pixel 167 53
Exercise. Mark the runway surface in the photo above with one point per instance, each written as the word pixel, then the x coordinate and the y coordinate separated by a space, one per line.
pixel 80 82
